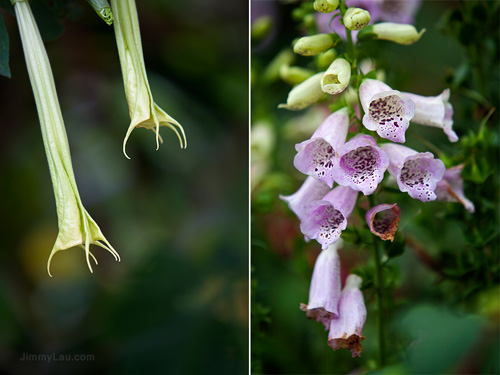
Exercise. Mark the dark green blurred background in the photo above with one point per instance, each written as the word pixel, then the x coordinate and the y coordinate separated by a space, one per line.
pixel 442 273
pixel 178 301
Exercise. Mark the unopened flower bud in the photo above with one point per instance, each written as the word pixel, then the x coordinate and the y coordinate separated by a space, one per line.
pixel 337 76
pixel 294 75
pixel 394 32
pixel 324 59
pixel 304 94
pixel 313 45
pixel 325 6
pixel 356 18
pixel 261 27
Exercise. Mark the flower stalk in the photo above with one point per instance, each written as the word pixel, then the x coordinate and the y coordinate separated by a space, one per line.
pixel 76 227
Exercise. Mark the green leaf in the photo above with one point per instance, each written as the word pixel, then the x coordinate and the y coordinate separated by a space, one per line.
pixel 4 49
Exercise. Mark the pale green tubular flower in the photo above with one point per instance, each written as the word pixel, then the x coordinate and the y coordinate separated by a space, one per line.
pixel 76 227
pixel 103 9
pixel 144 112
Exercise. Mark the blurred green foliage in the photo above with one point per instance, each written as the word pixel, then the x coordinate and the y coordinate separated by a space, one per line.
pixel 441 273
pixel 178 301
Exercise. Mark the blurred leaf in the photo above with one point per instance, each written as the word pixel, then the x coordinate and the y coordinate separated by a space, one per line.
pixel 4 49
pixel 441 338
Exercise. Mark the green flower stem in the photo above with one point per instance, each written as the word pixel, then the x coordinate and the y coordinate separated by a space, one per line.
pixel 76 227
pixel 379 284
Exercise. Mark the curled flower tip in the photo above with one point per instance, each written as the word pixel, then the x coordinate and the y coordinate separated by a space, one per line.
pixel 317 156
pixel 416 173
pixel 346 331
pixel 325 6
pixel 356 18
pixel 327 218
pixel 387 111
pixel 361 165
pixel 393 32
pixel 324 292
pixel 103 9
pixel 311 190
pixel 336 77
pixel 313 45
pixel 451 188
pixel 304 94
pixel 383 220
pixel 435 111
pixel 144 112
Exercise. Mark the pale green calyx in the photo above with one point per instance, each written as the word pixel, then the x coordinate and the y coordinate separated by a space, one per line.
pixel 103 9
pixel 304 94
pixel 76 227
pixel 356 18
pixel 144 112
pixel 336 77
pixel 313 45
pixel 325 6
pixel 395 32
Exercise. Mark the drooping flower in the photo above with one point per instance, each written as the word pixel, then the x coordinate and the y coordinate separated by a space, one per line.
pixel 394 32
pixel 313 45
pixel 415 172
pixel 76 227
pixel 316 156
pixel 304 94
pixel 346 331
pixel 435 111
pixel 356 18
pixel 103 9
pixel 336 77
pixel 327 218
pixel 325 289
pixel 451 188
pixel 361 164
pixel 144 112
pixel 387 111
pixel 383 220
pixel 311 190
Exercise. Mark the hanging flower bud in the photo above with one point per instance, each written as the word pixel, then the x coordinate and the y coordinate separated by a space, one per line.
pixel 144 112
pixel 327 218
pixel 294 75
pixel 451 188
pixel 346 331
pixel 387 111
pixel 356 18
pixel 394 32
pixel 337 76
pixel 313 45
pixel 304 94
pixel 383 220
pixel 311 190
pixel 324 59
pixel 415 172
pixel 434 111
pixel 325 289
pixel 76 227
pixel 317 156
pixel 361 164
pixel 325 6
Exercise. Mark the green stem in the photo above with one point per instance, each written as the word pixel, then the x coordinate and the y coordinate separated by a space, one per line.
pixel 380 308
